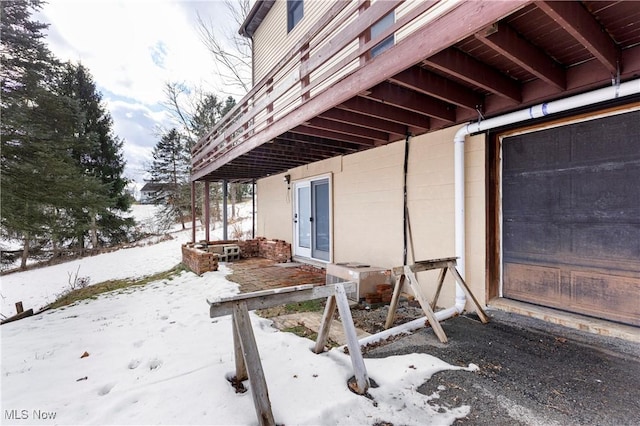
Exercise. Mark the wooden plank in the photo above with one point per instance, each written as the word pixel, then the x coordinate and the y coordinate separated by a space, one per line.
pixel 325 325
pixel 241 367
pixel 424 303
pixel 395 298
pixel 21 315
pixel 470 296
pixel 359 369
pixel 269 298
pixel 426 265
pixel 443 273
pixel 259 390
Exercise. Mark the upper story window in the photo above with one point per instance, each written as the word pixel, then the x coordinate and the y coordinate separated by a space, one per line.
pixel 295 12
pixel 377 29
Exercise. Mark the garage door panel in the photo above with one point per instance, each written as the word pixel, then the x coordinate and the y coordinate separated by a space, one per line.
pixel 526 239
pixel 536 193
pixel 571 217
pixel 607 296
pixel 588 149
pixel 528 280
pixel 604 192
pixel 616 242
pixel 548 152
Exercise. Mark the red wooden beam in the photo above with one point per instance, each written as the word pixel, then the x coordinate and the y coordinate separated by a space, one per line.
pixel 386 112
pixel 454 62
pixel 306 130
pixel 348 129
pixel 392 94
pixel 361 120
pixel 582 26
pixel 504 40
pixel 423 81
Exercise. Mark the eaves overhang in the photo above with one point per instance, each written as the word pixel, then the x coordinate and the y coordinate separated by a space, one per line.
pixel 255 17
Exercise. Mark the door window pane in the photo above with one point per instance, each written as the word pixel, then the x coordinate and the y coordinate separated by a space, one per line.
pixel 304 223
pixel 321 215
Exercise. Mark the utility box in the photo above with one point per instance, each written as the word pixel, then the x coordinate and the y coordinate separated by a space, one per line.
pixel 365 276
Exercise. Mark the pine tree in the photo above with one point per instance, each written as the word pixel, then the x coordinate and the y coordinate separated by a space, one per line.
pixel 170 167
pixel 32 117
pixel 99 154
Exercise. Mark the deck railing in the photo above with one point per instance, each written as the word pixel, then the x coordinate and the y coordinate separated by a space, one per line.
pixel 336 46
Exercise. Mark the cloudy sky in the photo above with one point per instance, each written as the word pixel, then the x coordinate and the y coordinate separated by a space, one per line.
pixel 132 48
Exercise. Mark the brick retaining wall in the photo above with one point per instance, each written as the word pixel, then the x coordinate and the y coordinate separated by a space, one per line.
pixel 199 258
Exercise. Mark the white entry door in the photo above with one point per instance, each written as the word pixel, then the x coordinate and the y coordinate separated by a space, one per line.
pixel 302 219
pixel 312 219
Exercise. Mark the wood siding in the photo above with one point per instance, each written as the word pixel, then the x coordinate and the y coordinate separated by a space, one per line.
pixel 271 42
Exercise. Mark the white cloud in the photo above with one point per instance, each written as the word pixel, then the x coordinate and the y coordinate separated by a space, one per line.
pixel 132 48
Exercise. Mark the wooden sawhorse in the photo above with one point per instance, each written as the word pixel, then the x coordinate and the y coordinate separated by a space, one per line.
pixel 246 354
pixel 409 272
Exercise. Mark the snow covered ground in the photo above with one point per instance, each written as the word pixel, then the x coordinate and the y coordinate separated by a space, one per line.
pixel 155 357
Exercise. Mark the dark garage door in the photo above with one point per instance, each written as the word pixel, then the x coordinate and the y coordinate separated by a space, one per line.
pixel 571 217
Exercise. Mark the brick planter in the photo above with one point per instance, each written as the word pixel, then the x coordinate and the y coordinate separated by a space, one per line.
pixel 204 255
pixel 198 260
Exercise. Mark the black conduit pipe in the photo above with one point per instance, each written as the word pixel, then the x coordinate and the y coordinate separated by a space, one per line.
pixel 405 204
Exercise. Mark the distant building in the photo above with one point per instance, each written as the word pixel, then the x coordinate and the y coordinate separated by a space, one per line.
pixel 152 192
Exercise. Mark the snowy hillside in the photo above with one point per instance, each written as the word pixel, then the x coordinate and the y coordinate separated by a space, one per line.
pixel 152 355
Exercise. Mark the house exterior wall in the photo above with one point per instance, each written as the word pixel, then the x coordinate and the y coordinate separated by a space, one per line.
pixel 271 40
pixel 368 199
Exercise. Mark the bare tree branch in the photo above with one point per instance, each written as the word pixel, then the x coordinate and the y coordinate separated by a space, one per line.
pixel 233 55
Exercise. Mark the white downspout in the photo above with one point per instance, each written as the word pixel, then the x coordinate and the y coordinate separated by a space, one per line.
pixel 589 98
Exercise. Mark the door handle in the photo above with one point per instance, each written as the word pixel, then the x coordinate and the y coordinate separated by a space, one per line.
pixel 310 219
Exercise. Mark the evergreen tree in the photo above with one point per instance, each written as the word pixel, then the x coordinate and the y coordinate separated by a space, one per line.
pixel 32 117
pixel 99 154
pixel 170 168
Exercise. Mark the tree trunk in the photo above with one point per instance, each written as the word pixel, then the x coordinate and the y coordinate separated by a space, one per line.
pixel 25 253
pixel 94 232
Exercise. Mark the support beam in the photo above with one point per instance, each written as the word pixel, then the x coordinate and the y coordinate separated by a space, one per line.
pixel 504 40
pixel 253 208
pixel 423 81
pixel 460 65
pixel 582 26
pixel 356 119
pixel 193 211
pixel 386 112
pixel 391 94
pixel 348 129
pixel 310 131
pixel 207 212
pixel 225 214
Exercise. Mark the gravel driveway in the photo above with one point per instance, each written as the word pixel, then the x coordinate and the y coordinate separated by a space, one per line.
pixel 531 372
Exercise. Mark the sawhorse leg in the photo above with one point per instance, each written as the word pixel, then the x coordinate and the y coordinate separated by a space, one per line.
pixel 251 362
pixel 361 384
pixel 394 301
pixel 425 305
pixel 470 296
